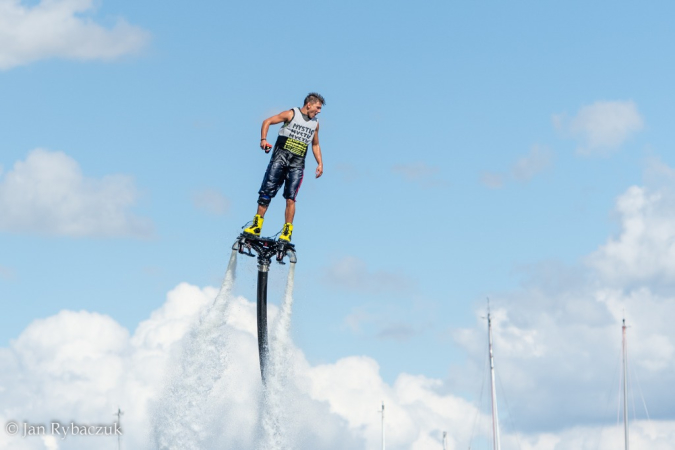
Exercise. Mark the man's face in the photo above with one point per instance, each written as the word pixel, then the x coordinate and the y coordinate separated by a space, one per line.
pixel 313 109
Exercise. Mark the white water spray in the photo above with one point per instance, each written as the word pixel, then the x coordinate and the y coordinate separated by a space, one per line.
pixel 181 417
pixel 273 415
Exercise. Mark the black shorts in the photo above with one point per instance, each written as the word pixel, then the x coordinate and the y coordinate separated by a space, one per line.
pixel 284 168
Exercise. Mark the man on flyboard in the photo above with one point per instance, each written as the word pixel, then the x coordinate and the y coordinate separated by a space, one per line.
pixel 287 165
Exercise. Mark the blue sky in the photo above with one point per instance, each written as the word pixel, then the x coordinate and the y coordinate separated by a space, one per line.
pixel 470 151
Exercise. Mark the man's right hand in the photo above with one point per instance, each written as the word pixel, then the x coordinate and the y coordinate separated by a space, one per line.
pixel 265 145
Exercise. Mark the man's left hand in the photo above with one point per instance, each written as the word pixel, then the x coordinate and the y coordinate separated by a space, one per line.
pixel 319 170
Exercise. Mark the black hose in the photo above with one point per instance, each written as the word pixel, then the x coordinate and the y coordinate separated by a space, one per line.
pixel 262 318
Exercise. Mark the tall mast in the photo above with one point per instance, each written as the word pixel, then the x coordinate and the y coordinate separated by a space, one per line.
pixel 495 416
pixel 625 385
pixel 445 440
pixel 119 414
pixel 382 412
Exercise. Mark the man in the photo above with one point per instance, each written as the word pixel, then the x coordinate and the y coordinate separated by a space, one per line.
pixel 287 164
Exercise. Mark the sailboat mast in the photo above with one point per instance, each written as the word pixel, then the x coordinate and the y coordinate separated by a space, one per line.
pixel 495 417
pixel 625 384
pixel 382 411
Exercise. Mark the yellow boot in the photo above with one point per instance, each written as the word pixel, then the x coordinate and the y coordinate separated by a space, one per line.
pixel 256 227
pixel 286 233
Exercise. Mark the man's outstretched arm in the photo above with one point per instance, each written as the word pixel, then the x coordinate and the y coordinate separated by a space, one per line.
pixel 285 116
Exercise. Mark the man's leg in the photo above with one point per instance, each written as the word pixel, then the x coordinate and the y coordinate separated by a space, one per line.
pixel 287 231
pixel 290 210
pixel 274 177
pixel 291 188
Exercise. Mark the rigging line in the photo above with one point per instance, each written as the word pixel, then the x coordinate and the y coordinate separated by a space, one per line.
pixel 480 402
pixel 608 402
pixel 649 419
pixel 508 410
pixel 632 394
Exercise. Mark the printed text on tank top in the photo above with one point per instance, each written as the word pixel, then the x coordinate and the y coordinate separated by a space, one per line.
pixel 296 135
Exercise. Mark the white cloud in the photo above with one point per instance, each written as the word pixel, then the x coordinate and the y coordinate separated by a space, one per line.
pixel 349 172
pixel 539 159
pixel 211 201
pixel 562 330
pixel 602 126
pixel 644 250
pixel 563 349
pixel 492 180
pixel 397 331
pixel 61 29
pixel 80 366
pixel 352 274
pixel 51 442
pixel 420 173
pixel 415 171
pixel 48 194
pixel 557 348
pixel 354 321
pixel 378 321
pixel 7 273
pixel 657 174
pixel 415 414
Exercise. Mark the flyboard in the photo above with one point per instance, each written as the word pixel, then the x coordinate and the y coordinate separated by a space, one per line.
pixel 265 249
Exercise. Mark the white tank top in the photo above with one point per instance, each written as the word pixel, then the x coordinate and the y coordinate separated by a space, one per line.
pixel 296 135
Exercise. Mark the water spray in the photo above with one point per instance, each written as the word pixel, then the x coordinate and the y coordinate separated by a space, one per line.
pixel 180 415
pixel 265 248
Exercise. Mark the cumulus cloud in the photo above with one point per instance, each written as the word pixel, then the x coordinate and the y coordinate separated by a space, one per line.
pixel 48 194
pixel 416 414
pixel 564 349
pixel 355 320
pixel 352 274
pixel 538 160
pixel 390 324
pixel 81 366
pixel 211 201
pixel 657 174
pixel 492 180
pixel 61 29
pixel 349 172
pixel 562 329
pixel 7 273
pixel 420 173
pixel 645 214
pixel 644 250
pixel 601 127
pixel 397 332
pixel 557 350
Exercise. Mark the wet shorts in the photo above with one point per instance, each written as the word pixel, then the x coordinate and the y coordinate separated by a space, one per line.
pixel 284 168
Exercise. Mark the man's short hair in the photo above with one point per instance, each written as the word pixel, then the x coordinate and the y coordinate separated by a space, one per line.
pixel 313 97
